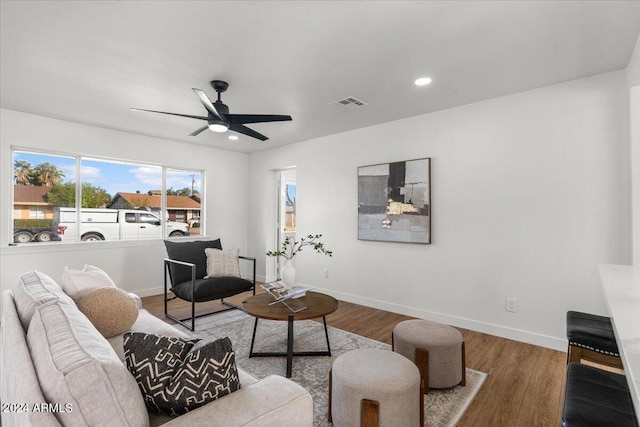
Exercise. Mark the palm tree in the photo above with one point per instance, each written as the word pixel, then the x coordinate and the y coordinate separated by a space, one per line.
pixel 47 175
pixel 21 171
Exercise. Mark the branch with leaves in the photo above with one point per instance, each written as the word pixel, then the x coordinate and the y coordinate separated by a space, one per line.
pixel 290 247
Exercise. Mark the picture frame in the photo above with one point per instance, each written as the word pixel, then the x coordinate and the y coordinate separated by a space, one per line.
pixel 394 201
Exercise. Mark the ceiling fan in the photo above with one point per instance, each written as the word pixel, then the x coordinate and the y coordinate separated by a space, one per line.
pixel 218 118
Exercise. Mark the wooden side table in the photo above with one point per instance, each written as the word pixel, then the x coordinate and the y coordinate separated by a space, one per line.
pixel 318 305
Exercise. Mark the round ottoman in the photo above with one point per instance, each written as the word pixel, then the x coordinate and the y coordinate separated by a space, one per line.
pixel 369 384
pixel 437 350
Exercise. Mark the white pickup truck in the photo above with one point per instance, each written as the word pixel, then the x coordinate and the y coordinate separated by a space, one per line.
pixel 113 224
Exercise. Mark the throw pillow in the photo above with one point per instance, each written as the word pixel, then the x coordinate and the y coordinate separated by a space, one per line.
pixel 111 310
pixel 78 283
pixel 177 375
pixel 222 263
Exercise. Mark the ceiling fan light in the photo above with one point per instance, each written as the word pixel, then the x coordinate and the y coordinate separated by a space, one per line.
pixel 423 81
pixel 218 127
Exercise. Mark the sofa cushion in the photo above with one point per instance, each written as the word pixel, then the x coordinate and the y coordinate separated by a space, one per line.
pixel 76 365
pixel 78 283
pixel 177 375
pixel 18 379
pixel 111 310
pixel 272 401
pixel 149 324
pixel 222 263
pixel 33 290
pixel 192 252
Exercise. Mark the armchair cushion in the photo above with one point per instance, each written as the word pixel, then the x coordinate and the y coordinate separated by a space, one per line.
pixel 212 289
pixel 192 252
pixel 222 263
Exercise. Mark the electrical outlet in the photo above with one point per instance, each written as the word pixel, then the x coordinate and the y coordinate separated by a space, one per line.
pixel 325 274
pixel 512 305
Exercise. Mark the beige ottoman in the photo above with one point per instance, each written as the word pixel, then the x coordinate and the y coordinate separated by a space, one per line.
pixel 437 350
pixel 373 387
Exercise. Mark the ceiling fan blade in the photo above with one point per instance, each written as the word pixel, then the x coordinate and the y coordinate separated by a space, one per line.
pixel 245 130
pixel 206 102
pixel 256 118
pixel 199 131
pixel 171 114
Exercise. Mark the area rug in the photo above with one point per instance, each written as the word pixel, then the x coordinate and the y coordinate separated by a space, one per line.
pixel 442 408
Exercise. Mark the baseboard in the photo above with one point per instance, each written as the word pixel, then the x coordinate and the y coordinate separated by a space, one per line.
pixel 461 322
pixel 147 292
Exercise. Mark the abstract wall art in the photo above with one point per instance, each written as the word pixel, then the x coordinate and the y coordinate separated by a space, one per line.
pixel 394 202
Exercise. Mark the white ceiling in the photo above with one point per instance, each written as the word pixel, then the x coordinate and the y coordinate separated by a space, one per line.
pixel 88 62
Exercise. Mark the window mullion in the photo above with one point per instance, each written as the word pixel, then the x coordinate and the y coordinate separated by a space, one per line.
pixel 78 197
pixel 163 203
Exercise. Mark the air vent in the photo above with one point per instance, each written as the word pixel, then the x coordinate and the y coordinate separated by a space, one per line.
pixel 349 103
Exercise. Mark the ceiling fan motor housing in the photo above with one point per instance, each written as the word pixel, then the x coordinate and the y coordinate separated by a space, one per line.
pixel 221 108
pixel 218 85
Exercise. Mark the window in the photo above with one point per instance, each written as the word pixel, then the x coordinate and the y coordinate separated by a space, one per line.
pixel 290 206
pixel 36 212
pixel 148 218
pixel 118 200
pixel 183 198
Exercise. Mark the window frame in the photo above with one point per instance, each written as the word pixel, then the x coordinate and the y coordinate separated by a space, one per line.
pixel 163 214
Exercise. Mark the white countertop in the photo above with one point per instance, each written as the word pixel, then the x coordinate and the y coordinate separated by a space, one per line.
pixel 622 294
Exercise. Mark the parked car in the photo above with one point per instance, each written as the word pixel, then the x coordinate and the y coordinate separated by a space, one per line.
pixel 113 224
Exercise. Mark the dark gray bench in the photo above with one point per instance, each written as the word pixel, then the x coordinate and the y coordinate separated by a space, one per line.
pixel 596 398
pixel 591 338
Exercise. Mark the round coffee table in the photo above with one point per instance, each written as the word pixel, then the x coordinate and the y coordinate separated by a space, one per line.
pixel 318 305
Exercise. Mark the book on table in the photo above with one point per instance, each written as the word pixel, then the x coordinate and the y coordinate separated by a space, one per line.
pixel 287 294
pixel 294 304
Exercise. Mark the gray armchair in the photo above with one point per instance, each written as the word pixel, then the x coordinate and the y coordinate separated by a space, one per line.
pixel 185 268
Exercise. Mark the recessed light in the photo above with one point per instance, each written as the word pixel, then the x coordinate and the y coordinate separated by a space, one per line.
pixel 233 137
pixel 423 81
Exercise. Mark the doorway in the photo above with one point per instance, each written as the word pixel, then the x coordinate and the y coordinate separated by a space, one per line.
pixel 287 212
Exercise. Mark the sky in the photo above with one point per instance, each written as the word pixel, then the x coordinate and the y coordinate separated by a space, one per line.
pixel 291 191
pixel 116 176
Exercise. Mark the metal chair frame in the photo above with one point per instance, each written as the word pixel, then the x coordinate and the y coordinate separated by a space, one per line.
pixel 167 262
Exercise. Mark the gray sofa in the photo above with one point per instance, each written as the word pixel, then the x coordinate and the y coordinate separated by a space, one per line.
pixel 60 370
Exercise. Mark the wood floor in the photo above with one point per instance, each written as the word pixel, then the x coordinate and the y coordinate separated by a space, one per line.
pixel 525 382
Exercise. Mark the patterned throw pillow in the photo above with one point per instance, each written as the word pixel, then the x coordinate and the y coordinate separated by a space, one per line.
pixel 177 375
pixel 222 263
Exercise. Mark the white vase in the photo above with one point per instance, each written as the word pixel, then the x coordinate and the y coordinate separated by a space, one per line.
pixel 288 273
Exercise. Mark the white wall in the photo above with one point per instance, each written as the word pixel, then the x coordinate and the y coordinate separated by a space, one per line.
pixel 633 78
pixel 633 69
pixel 135 266
pixel 530 192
